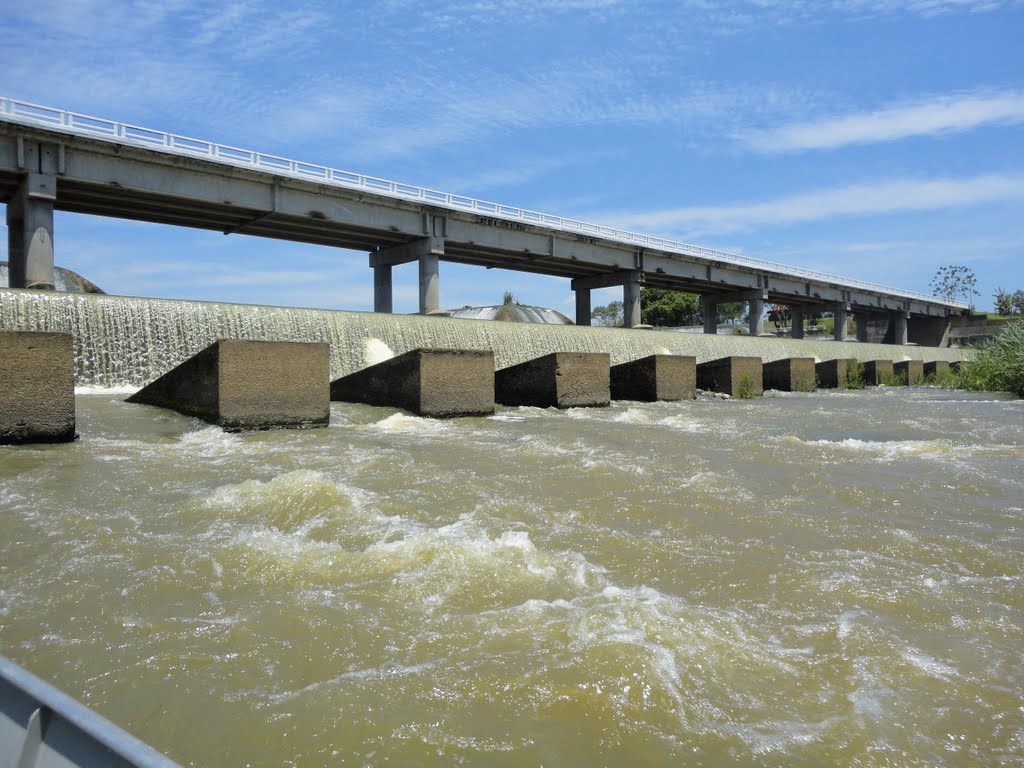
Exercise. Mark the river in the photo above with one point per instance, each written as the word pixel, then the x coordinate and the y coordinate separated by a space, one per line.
pixel 811 579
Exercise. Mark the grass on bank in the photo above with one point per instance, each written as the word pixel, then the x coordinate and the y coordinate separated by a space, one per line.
pixel 998 365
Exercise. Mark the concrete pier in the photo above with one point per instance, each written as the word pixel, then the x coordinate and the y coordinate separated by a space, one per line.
pixel 248 385
pixel 37 387
pixel 559 380
pixel 792 374
pixel 937 368
pixel 912 371
pixel 831 374
pixel 438 383
pixel 656 377
pixel 735 376
pixel 875 371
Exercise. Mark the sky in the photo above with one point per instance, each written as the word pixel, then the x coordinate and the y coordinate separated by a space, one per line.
pixel 874 139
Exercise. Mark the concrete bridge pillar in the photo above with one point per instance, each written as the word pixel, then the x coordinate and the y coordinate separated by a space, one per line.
pixel 796 318
pixel 30 232
pixel 899 325
pixel 582 306
pixel 427 251
pixel 755 318
pixel 861 322
pixel 839 313
pixel 382 288
pixel 430 293
pixel 631 280
pixel 631 302
pixel 709 309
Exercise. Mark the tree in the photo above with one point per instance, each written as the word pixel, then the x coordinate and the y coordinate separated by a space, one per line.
pixel 608 314
pixel 1018 302
pixel 953 280
pixel 1003 302
pixel 732 311
pixel 666 308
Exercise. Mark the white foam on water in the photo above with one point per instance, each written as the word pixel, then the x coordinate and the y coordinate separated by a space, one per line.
pixel 407 423
pixel 95 389
pixel 375 351
pixel 928 665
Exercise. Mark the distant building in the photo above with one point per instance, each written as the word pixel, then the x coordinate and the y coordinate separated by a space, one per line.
pixel 512 313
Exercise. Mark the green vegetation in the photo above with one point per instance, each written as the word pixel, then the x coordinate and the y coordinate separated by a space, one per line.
pixel 747 388
pixel 946 379
pixel 855 375
pixel 608 314
pixel 999 364
pixel 660 307
pixel 805 385
pixel 893 379
pixel 1008 304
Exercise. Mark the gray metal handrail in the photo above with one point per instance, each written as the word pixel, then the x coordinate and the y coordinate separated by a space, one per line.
pixel 41 726
pixel 14 110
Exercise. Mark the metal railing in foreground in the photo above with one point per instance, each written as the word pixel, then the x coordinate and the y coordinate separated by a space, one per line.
pixel 41 727
pixel 15 110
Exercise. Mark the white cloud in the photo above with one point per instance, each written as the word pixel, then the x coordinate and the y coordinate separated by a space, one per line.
pixel 866 199
pixel 947 114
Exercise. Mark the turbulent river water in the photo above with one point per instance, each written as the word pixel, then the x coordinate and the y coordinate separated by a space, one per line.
pixel 812 579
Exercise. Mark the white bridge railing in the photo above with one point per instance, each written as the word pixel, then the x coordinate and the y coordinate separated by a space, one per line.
pixel 13 110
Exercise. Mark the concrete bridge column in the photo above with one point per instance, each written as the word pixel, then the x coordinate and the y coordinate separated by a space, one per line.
pixel 631 280
pixel 839 312
pixel 583 306
pixel 30 232
pixel 631 303
pixel 861 322
pixel 709 308
pixel 796 319
pixel 430 293
pixel 427 251
pixel 899 325
pixel 755 319
pixel 382 288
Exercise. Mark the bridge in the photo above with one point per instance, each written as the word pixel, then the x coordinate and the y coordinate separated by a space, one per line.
pixel 52 159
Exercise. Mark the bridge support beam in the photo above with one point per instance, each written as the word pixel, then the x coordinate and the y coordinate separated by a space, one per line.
pixel 709 310
pixel 631 280
pixel 755 299
pixel 839 313
pixel 427 252
pixel 861 322
pixel 30 232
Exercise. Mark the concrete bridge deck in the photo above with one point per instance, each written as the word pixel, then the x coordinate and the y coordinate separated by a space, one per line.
pixel 51 159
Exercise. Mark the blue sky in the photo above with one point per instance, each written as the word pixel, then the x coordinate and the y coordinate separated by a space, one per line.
pixel 874 139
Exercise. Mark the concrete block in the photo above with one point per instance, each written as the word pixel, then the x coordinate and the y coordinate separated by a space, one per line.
pixel 831 374
pixel 37 387
pixel 438 383
pixel 875 371
pixel 937 368
pixel 242 385
pixel 560 380
pixel 656 377
pixel 735 376
pixel 791 374
pixel 912 371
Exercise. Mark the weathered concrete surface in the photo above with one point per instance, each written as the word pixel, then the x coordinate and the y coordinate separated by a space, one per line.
pixel 937 368
pixel 794 374
pixel 735 376
pixel 243 385
pixel 559 379
pixel 912 371
pixel 429 382
pixel 37 387
pixel 876 370
pixel 655 377
pixel 831 374
pixel 109 348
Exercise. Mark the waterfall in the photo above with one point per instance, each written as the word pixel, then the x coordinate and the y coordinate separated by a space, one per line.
pixel 123 340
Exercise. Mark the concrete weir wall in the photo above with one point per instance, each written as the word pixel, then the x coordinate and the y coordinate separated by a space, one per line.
pixel 131 341
pixel 37 390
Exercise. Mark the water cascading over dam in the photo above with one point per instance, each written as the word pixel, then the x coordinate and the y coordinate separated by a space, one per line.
pixel 125 341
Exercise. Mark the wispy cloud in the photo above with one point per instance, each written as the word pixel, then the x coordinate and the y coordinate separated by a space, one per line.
pixel 942 115
pixel 866 199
